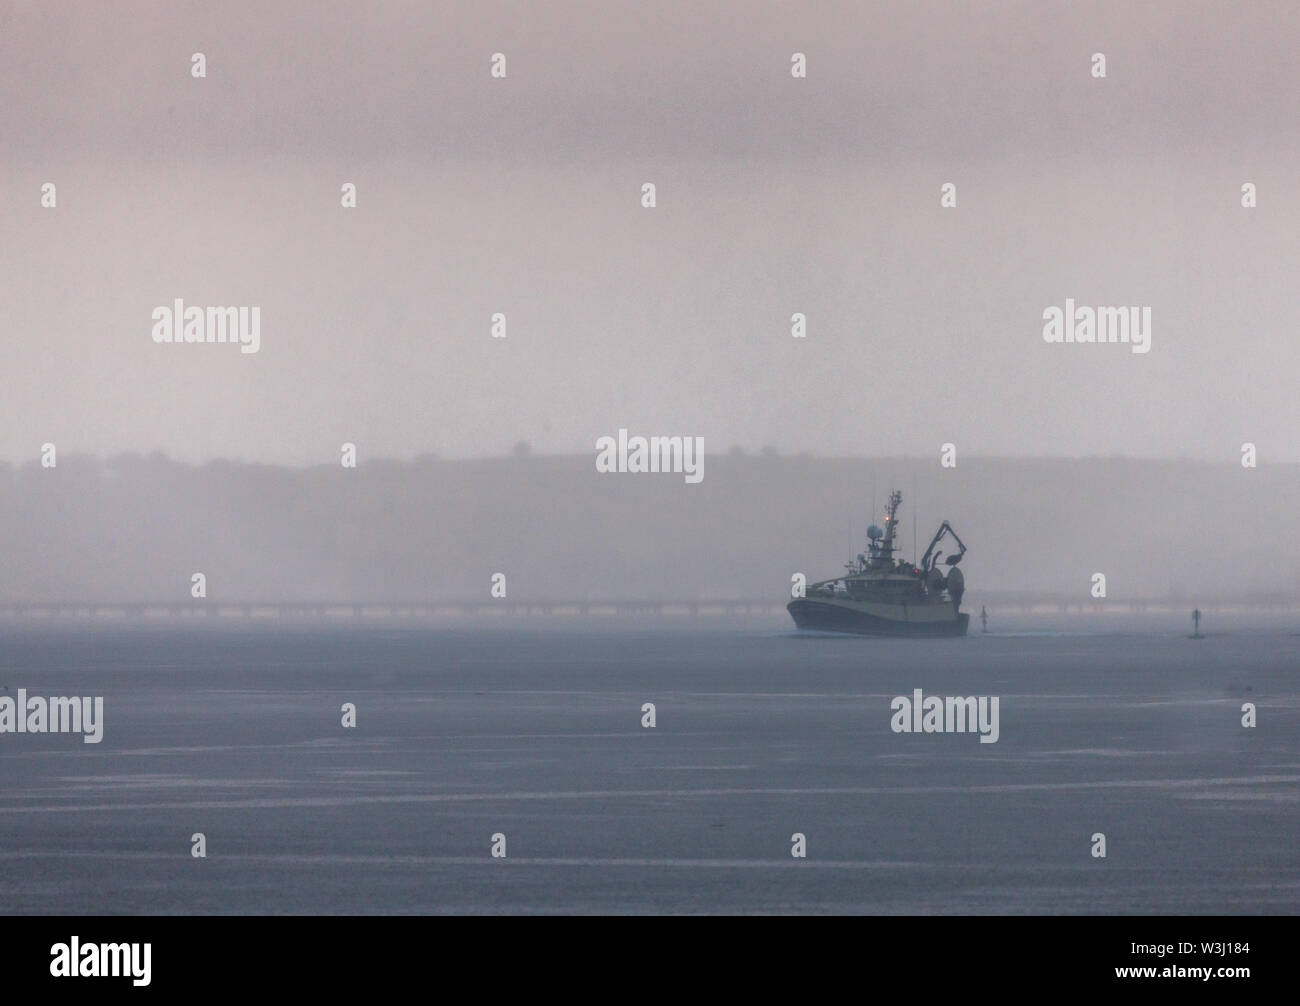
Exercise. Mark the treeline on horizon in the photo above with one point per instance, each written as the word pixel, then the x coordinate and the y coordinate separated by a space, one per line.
pixel 135 527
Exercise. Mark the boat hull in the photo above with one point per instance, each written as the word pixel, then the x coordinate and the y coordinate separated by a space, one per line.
pixel 871 619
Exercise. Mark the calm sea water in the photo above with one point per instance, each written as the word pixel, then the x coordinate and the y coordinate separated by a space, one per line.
pixel 760 733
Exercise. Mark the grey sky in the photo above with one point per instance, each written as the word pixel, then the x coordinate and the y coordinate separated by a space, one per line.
pixel 521 195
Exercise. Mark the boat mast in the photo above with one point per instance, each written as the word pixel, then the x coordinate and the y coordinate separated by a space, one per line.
pixel 891 525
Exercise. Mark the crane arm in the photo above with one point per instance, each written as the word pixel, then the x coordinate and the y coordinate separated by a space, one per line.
pixel 944 528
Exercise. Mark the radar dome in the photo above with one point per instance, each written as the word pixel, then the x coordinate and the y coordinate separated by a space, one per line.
pixel 874 532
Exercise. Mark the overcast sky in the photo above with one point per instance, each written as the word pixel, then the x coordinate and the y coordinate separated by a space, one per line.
pixel 776 195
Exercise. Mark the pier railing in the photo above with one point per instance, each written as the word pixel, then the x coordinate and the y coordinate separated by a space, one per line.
pixel 995 602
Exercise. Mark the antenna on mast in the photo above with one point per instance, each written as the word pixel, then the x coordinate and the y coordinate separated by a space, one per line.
pixel 914 518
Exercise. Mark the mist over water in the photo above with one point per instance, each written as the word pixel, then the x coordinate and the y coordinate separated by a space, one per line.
pixel 135 528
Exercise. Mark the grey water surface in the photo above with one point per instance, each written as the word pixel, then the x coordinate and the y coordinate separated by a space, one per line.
pixel 761 733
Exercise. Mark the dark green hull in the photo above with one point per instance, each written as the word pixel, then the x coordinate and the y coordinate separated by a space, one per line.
pixel 810 613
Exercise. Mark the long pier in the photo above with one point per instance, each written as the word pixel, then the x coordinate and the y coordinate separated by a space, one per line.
pixel 997 603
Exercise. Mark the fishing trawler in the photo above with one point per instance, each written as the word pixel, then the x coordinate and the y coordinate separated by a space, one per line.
pixel 882 596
